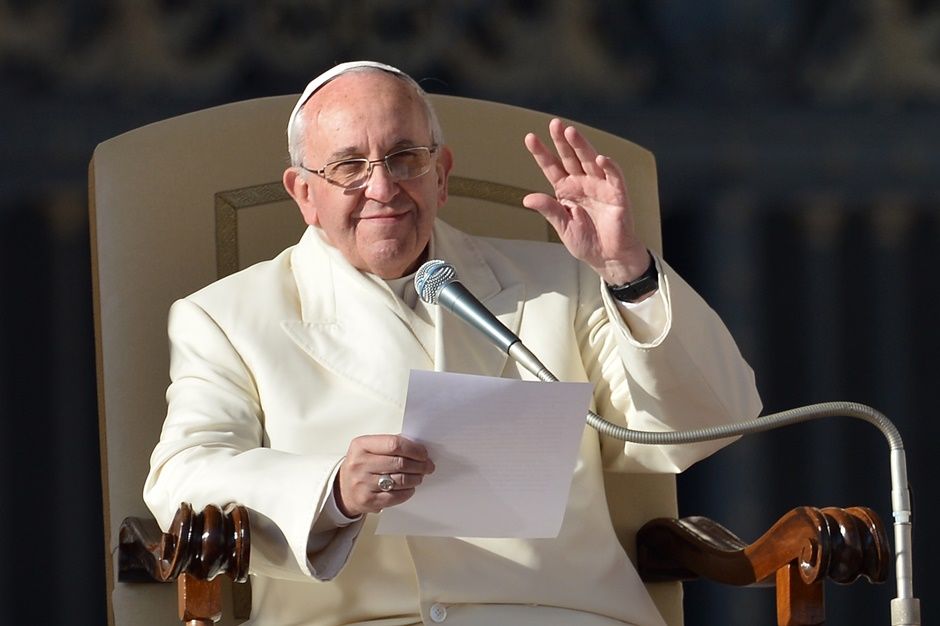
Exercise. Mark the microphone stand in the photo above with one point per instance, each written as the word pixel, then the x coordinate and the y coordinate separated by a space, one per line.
pixel 905 608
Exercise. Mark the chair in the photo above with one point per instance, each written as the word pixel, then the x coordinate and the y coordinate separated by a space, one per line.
pixel 179 203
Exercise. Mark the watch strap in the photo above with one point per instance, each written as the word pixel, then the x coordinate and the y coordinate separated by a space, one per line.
pixel 636 289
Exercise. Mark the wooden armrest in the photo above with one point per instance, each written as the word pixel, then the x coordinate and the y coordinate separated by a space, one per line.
pixel 806 546
pixel 198 548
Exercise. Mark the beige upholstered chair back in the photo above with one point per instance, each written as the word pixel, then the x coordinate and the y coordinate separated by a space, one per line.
pixel 179 203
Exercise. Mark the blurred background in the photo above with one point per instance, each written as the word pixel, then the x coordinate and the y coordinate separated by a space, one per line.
pixel 798 145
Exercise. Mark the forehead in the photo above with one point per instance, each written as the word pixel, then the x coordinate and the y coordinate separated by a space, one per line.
pixel 361 111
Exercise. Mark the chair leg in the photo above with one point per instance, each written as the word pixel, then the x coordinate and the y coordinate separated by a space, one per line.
pixel 200 601
pixel 799 604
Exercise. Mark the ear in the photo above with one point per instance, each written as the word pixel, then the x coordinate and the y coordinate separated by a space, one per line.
pixel 300 190
pixel 445 162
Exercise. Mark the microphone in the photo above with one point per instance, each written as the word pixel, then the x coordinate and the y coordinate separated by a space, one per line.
pixel 436 283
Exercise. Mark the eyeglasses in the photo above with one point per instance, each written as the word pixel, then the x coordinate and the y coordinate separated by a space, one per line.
pixel 355 173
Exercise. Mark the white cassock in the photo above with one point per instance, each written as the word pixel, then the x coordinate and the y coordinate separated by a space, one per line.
pixel 276 368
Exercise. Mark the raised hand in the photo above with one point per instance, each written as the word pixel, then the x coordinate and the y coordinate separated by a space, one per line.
pixel 591 208
pixel 368 458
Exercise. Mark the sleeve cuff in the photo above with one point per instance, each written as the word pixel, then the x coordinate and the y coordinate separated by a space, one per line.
pixel 645 319
pixel 331 536
pixel 330 516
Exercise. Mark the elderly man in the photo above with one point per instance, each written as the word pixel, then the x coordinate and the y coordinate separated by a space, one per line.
pixel 288 379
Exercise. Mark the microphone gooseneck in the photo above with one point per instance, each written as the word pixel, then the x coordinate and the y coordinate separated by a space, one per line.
pixel 436 283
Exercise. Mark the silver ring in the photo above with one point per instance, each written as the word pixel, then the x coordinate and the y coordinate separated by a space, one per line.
pixel 386 482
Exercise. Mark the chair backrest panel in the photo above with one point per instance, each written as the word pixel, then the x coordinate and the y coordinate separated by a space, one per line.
pixel 179 203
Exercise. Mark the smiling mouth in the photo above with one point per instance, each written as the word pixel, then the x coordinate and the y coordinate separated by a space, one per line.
pixel 390 217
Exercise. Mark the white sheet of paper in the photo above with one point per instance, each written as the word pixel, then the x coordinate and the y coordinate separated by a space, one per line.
pixel 504 454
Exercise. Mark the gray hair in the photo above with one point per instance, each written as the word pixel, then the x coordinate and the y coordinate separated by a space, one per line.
pixel 297 126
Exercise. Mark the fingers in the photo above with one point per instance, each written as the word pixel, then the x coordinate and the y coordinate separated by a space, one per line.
pixel 588 159
pixel 561 137
pixel 396 445
pixel 575 154
pixel 380 464
pixel 548 162
pixel 550 208
pixel 377 501
pixel 387 454
pixel 402 481
pixel 612 173
pixel 371 457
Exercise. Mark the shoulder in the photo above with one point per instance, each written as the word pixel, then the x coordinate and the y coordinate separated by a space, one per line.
pixel 541 265
pixel 528 257
pixel 528 252
pixel 266 285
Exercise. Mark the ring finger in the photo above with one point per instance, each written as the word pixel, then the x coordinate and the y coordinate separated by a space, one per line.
pixel 402 481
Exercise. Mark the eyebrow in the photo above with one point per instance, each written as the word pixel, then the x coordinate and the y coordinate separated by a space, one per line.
pixel 351 152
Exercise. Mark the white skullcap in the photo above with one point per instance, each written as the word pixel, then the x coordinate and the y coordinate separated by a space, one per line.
pixel 329 75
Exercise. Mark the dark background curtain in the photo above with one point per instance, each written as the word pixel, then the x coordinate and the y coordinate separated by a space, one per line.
pixel 797 144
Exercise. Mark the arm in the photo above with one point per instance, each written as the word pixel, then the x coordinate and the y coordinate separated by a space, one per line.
pixel 688 375
pixel 211 451
pixel 676 366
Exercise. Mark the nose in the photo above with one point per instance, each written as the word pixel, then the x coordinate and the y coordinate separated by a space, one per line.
pixel 380 186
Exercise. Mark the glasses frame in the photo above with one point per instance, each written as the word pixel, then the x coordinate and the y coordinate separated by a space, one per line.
pixel 370 164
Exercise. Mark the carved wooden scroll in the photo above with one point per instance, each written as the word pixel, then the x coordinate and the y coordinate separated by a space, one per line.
pixel 806 546
pixel 197 549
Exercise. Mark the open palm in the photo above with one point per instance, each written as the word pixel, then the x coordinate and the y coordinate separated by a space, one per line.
pixel 591 208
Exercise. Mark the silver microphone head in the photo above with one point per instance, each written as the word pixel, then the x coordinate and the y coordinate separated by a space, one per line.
pixel 433 276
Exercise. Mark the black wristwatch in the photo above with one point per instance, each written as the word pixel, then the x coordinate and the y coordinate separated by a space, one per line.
pixel 636 289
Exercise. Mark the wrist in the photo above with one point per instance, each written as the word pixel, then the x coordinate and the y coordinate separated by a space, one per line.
pixel 629 265
pixel 637 288
pixel 338 498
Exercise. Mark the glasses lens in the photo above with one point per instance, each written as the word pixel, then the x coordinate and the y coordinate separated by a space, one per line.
pixel 349 173
pixel 402 165
pixel 409 163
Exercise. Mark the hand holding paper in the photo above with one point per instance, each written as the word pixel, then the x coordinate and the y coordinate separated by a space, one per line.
pixel 399 460
pixel 504 452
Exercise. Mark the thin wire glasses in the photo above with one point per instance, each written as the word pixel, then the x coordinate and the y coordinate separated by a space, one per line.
pixel 355 173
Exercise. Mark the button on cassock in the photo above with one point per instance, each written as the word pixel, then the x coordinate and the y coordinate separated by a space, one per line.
pixel 438 613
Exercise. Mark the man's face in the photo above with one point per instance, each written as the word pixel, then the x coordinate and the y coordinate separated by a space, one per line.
pixel 383 228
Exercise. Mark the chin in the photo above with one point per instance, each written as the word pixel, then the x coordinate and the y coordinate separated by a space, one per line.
pixel 392 266
pixel 395 260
